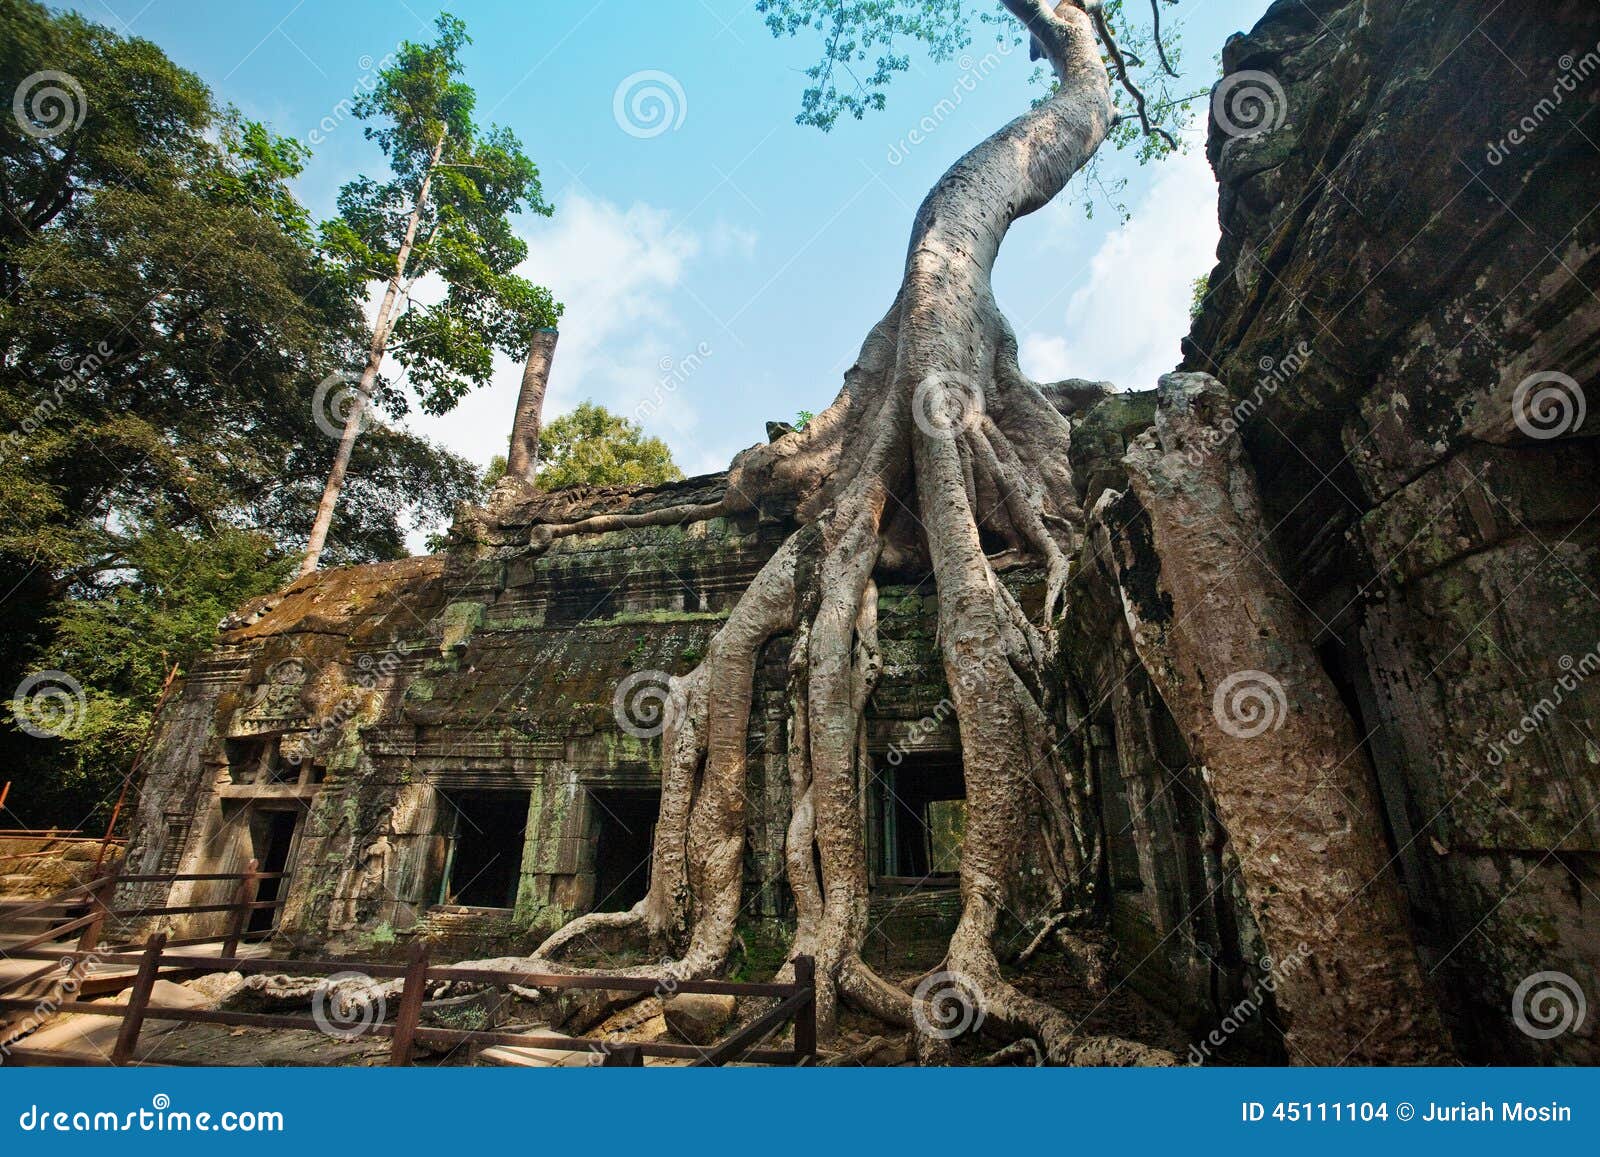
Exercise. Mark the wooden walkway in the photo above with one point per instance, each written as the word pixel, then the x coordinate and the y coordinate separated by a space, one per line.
pixel 107 977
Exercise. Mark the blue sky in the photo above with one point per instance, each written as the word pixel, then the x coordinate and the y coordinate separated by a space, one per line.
pixel 735 254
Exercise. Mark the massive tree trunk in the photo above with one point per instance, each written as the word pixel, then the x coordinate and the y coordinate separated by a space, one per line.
pixel 1228 647
pixel 935 434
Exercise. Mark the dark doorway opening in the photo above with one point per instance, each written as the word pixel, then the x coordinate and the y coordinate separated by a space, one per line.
pixel 626 826
pixel 921 814
pixel 272 840
pixel 483 862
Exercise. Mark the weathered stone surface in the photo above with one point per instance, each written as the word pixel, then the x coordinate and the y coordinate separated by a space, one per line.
pixel 1419 229
pixel 697 1018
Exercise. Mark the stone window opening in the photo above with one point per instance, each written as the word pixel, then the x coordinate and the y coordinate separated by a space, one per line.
pixel 919 821
pixel 625 826
pixel 258 760
pixel 484 836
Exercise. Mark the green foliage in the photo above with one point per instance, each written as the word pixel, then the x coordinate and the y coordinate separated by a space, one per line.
pixel 162 605
pixel 1200 290
pixel 592 446
pixel 165 321
pixel 122 636
pixel 857 34
pixel 869 42
pixel 495 471
pixel 465 236
pixel 803 419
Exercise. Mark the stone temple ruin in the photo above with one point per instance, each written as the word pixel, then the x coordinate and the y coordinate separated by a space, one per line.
pixel 463 746
pixel 466 744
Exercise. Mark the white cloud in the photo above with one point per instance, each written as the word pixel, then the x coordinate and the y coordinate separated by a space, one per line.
pixel 1124 324
pixel 729 240
pixel 617 271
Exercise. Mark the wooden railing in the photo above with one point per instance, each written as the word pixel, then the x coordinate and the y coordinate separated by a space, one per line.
pixel 796 1002
pixel 97 895
pixel 45 834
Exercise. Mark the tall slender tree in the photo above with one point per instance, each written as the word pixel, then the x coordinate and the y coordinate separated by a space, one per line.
pixel 165 314
pixel 446 210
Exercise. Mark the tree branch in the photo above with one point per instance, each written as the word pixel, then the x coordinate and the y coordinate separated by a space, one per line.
pixel 1048 30
pixel 1120 65
pixel 1161 49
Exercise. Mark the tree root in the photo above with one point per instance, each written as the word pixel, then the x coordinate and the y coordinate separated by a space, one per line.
pixel 937 453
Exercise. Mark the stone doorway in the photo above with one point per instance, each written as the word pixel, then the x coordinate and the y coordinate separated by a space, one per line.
pixel 625 820
pixel 919 812
pixel 273 835
pixel 484 833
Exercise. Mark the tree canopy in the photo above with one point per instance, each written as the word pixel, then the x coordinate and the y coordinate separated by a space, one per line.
pixel 592 446
pixel 865 44
pixel 166 320
pixel 465 235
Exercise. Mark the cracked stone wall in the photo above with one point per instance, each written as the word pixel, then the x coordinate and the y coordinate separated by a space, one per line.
pixel 1404 309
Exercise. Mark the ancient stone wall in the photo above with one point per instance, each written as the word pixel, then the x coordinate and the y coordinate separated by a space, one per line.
pixel 1404 311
